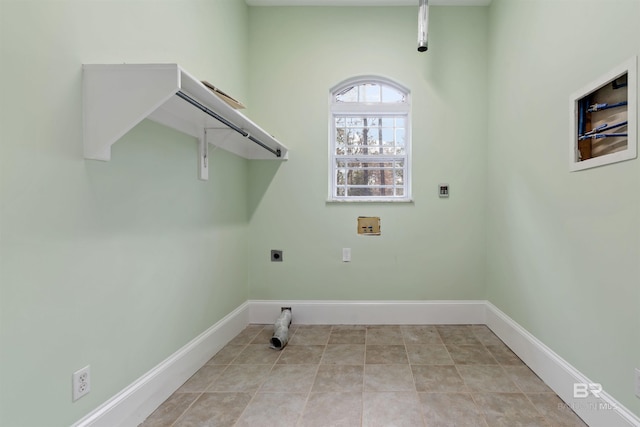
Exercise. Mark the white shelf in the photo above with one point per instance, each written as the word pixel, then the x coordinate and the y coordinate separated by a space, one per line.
pixel 116 97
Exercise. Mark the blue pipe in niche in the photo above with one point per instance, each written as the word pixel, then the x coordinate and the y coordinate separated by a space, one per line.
pixel 599 107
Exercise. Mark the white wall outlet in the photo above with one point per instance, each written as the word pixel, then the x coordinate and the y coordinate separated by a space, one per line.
pixel 81 382
pixel 637 382
pixel 346 254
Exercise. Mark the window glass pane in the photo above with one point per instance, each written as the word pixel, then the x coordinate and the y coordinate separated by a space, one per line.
pixel 387 136
pixel 365 135
pixel 390 94
pixel 400 136
pixel 369 92
pixel 370 191
pixel 399 177
pixel 354 136
pixel 349 94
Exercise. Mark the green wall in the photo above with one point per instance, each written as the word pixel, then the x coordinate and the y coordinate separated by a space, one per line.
pixel 119 264
pixel 563 248
pixel 114 264
pixel 429 249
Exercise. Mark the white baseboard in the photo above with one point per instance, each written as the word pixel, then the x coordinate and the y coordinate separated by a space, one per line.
pixel 137 401
pixel 370 312
pixel 558 374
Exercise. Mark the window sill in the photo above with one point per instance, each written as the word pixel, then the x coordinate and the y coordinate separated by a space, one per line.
pixel 370 201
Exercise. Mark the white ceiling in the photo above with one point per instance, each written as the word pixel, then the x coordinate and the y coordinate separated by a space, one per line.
pixel 365 2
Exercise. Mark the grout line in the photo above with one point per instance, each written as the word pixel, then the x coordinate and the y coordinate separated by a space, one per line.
pixel 255 393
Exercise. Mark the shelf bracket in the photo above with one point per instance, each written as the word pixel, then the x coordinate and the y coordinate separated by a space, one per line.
pixel 203 157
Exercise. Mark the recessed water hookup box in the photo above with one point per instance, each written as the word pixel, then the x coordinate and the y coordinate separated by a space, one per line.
pixel 369 225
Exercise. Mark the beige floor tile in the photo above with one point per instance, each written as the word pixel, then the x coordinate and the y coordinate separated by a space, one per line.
pixel 441 378
pixel 348 328
pixel 215 410
pixel 428 354
pixel 290 379
pixel 485 336
pixel 273 410
pixel 226 355
pixel 388 378
pixel 450 409
pixel 508 410
pixel 391 409
pixel 384 335
pixel 343 354
pixel 264 336
pixel 420 334
pixel 470 354
pixel 347 335
pixel 333 409
pixel 457 334
pixel 257 354
pixel 170 410
pixel 557 413
pixel 487 378
pixel 386 354
pixel 247 335
pixel 301 354
pixel 202 379
pixel 311 335
pixel 236 378
pixel 503 354
pixel 338 378
pixel 480 329
pixel 526 379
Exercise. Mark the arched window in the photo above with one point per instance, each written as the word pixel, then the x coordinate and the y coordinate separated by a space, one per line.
pixel 369 141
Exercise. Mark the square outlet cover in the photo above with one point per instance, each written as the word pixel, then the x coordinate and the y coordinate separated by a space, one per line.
pixel 276 255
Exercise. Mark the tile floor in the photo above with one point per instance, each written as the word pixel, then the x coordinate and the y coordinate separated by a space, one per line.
pixel 450 375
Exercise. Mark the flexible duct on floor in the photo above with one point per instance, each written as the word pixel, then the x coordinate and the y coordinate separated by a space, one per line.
pixel 281 330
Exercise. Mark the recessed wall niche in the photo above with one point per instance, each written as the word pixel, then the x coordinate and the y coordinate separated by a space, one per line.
pixel 604 119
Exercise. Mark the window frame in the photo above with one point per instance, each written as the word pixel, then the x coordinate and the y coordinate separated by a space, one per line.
pixel 369 109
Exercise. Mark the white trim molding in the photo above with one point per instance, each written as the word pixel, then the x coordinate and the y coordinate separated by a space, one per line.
pixel 558 374
pixel 136 402
pixel 370 312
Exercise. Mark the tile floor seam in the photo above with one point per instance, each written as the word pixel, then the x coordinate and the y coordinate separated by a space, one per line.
pixel 364 364
pixel 188 407
pixel 487 350
pixel 200 394
pixel 480 411
pixel 273 365
pixel 255 393
pixel 548 421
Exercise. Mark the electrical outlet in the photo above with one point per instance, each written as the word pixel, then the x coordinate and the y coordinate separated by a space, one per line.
pixel 81 383
pixel 276 255
pixel 637 382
